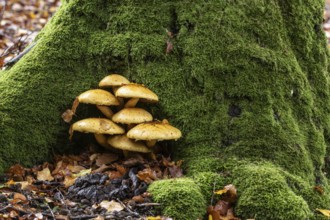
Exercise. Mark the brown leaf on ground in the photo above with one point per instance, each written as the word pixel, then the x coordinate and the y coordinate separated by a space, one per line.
pixel 44 175
pixel 147 175
pixel 105 158
pixel 16 172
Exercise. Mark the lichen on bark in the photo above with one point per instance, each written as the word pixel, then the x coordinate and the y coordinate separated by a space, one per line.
pixel 246 81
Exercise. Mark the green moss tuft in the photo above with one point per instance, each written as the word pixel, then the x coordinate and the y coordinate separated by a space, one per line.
pixel 180 198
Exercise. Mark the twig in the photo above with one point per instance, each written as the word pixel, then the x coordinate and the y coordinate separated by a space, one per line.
pixel 213 193
pixel 83 216
pixel 51 211
pixel 3 11
pixel 127 208
pixel 148 204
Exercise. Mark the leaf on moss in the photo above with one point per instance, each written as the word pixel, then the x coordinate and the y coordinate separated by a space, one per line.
pixel 325 212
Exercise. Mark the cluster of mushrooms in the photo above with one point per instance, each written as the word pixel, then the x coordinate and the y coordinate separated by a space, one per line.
pixel 130 128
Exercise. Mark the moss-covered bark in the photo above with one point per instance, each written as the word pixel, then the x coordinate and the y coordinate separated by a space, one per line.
pixel 246 81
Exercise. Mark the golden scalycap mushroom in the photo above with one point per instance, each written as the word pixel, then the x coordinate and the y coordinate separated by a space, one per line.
pixel 113 80
pixel 126 144
pixel 98 97
pixel 96 125
pixel 150 131
pixel 136 91
pixel 132 116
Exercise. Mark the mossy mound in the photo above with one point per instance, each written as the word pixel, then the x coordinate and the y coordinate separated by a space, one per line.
pixel 179 194
pixel 246 91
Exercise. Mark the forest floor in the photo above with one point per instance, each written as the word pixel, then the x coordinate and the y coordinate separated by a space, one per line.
pixel 92 185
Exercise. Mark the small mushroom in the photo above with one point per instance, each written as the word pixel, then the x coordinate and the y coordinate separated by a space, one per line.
pixel 124 143
pixel 132 116
pixel 99 97
pixel 96 126
pixel 136 92
pixel 114 81
pixel 153 132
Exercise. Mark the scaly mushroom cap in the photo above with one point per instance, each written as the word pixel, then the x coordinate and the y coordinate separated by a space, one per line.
pixel 133 90
pixel 97 126
pixel 124 143
pixel 113 80
pixel 98 97
pixel 132 116
pixel 154 131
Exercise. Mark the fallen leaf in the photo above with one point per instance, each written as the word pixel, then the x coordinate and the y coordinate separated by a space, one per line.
pixel 19 196
pixel 69 181
pixel 111 206
pixel 229 193
pixel 44 175
pixel 319 189
pixel 220 192
pixel 105 158
pixel 325 212
pixel 83 173
pixel 67 115
pixel 222 207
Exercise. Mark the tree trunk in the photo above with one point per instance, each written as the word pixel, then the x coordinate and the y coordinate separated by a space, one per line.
pixel 246 81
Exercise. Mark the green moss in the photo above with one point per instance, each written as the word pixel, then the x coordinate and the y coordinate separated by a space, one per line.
pixel 247 92
pixel 180 198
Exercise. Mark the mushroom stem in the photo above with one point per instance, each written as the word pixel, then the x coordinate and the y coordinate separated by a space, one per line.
pixel 106 110
pixel 75 105
pixel 101 140
pixel 131 103
pixel 151 143
pixel 70 133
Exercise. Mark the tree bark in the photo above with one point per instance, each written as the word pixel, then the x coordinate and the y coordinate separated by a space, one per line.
pixel 246 81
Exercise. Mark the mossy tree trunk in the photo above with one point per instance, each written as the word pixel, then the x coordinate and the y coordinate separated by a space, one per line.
pixel 246 81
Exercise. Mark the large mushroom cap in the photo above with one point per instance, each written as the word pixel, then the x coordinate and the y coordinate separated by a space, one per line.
pixel 136 91
pixel 132 116
pixel 98 97
pixel 98 126
pixel 154 131
pixel 124 143
pixel 113 80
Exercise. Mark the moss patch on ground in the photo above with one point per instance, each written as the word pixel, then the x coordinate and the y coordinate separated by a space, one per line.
pixel 250 95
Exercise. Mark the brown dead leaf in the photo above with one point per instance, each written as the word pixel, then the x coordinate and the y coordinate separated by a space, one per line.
pixel 214 215
pixel 69 181
pixel 120 168
pixel 105 158
pixel 20 196
pixel 175 171
pixel 114 174
pixel 319 189
pixel 147 175
pixel 229 193
pixel 67 115
pixel 44 175
pixel 222 207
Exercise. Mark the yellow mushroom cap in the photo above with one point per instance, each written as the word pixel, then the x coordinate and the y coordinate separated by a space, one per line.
pixel 132 116
pixel 124 143
pixel 133 90
pixel 98 97
pixel 154 131
pixel 113 80
pixel 98 126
